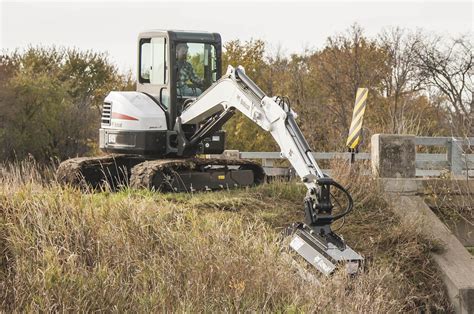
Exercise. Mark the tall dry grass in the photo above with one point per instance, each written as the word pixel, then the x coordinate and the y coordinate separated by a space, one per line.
pixel 64 250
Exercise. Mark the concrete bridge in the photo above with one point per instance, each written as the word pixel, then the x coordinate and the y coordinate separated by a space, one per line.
pixel 394 162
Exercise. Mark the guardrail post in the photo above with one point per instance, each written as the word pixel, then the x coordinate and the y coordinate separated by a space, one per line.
pixel 455 156
pixel 393 156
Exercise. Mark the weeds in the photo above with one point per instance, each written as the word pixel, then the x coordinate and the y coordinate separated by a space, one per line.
pixel 135 250
pixel 453 200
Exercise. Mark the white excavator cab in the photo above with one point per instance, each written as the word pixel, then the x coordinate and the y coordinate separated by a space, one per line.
pixel 175 66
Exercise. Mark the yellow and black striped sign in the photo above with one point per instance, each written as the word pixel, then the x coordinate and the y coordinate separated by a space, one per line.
pixel 355 131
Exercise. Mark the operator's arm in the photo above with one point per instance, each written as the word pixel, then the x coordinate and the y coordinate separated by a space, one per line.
pixel 191 75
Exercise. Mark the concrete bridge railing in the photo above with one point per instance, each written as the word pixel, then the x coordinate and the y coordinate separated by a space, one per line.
pixel 454 160
pixel 393 159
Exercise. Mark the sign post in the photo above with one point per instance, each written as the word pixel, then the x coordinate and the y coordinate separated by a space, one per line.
pixel 355 131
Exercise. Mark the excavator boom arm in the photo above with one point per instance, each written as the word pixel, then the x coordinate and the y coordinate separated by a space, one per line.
pixel 236 90
pixel 313 240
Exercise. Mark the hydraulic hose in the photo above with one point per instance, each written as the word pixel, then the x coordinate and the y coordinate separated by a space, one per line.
pixel 350 201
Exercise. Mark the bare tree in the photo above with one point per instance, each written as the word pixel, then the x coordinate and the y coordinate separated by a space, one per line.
pixel 402 80
pixel 449 67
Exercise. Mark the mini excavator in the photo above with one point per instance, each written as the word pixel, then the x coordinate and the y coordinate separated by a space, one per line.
pixel 154 136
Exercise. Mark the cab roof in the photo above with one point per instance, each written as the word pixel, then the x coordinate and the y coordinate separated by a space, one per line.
pixel 182 35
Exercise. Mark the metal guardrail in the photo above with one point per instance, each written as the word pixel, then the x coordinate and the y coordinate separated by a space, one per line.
pixel 454 160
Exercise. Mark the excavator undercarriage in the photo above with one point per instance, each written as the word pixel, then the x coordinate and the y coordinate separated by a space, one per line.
pixel 165 175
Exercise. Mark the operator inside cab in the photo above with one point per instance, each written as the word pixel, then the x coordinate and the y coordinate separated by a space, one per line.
pixel 196 66
pixel 188 83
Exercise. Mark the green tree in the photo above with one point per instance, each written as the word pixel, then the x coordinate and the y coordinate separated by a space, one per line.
pixel 50 101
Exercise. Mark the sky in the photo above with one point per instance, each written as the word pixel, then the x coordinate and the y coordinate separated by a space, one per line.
pixel 113 26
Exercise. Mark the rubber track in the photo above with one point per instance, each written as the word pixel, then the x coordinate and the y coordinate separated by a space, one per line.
pixel 94 172
pixel 143 174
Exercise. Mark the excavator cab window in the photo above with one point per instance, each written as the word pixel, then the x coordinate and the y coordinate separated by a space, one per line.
pixel 153 61
pixel 153 68
pixel 196 65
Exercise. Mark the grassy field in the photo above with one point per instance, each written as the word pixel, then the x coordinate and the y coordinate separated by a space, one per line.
pixel 135 250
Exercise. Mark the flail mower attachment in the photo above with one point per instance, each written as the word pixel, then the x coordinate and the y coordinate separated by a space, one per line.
pixel 315 241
